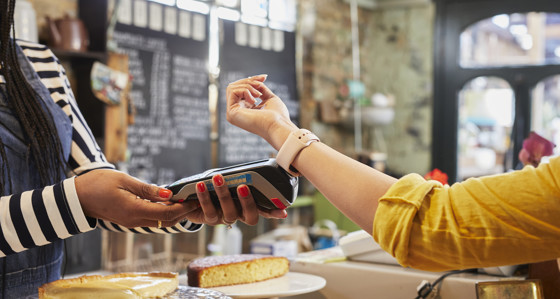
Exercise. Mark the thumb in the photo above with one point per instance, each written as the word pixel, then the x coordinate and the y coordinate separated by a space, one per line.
pixel 149 191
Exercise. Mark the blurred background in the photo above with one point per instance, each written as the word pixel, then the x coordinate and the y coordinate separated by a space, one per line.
pixel 401 85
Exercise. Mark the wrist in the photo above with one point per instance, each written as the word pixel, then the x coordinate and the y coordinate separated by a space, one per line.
pixel 279 132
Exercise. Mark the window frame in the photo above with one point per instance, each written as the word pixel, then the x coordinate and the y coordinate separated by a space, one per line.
pixel 452 17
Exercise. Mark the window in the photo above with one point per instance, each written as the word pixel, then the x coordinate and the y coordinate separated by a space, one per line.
pixel 276 14
pixel 545 118
pixel 510 46
pixel 515 39
pixel 486 113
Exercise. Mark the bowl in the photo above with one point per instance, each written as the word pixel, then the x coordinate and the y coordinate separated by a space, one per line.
pixel 374 116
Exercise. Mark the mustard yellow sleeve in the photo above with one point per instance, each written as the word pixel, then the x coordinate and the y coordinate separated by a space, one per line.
pixel 506 219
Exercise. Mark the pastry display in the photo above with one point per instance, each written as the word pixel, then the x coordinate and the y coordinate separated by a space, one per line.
pixel 214 271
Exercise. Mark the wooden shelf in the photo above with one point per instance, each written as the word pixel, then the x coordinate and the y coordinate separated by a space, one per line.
pixel 94 55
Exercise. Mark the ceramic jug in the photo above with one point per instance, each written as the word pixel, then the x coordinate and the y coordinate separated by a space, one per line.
pixel 68 34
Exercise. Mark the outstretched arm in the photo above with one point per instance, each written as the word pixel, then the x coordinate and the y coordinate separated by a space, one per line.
pixel 505 219
pixel 348 184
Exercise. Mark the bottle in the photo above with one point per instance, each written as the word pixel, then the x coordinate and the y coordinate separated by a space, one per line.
pixel 234 240
pixel 25 21
pixel 216 247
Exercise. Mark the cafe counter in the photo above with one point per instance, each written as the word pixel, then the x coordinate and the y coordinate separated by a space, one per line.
pixel 349 280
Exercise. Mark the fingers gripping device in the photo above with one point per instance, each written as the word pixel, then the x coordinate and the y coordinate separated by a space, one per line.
pixel 271 186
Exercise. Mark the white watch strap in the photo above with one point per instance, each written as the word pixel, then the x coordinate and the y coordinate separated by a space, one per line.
pixel 295 142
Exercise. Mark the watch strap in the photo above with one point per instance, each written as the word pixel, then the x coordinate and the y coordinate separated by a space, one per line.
pixel 295 143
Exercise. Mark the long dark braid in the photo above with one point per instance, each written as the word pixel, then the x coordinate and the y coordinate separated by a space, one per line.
pixel 35 119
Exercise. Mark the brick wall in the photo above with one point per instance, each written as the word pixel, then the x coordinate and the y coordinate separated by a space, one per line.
pixel 396 58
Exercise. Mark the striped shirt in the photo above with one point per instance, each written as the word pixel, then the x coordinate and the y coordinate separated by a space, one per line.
pixel 38 217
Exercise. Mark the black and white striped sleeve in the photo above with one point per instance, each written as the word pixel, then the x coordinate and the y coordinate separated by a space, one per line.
pixel 85 153
pixel 183 227
pixel 38 217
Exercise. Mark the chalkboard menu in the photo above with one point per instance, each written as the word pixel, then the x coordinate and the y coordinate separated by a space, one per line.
pixel 168 50
pixel 248 50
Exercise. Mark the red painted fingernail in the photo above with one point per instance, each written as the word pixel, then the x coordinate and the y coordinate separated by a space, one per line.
pixel 285 214
pixel 244 191
pixel 201 187
pixel 278 203
pixel 198 205
pixel 165 193
pixel 218 180
pixel 181 200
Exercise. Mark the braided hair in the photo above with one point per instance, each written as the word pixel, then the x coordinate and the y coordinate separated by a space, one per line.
pixel 36 121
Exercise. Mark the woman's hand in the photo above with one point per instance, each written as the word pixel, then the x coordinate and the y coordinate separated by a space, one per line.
pixel 245 210
pixel 117 197
pixel 269 119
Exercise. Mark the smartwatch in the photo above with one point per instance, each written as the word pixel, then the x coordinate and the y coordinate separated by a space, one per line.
pixel 296 142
